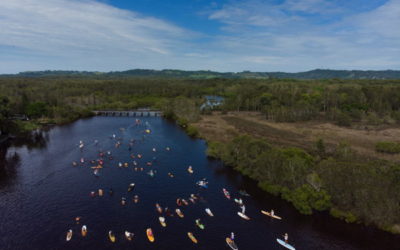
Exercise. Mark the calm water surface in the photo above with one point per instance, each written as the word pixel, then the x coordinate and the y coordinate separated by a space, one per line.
pixel 41 193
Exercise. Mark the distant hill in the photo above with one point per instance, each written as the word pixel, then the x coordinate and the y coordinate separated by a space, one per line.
pixel 205 74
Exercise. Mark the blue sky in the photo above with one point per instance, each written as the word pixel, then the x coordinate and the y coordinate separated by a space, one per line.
pixel 228 35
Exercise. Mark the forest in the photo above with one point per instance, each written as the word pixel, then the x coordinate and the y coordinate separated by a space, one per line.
pixel 341 182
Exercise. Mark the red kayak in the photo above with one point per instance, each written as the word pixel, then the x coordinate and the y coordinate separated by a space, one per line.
pixel 226 193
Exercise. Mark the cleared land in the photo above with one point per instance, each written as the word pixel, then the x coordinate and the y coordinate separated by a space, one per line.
pixel 223 127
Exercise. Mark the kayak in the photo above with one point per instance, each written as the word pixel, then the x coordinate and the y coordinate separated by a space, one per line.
pixel 179 202
pixel 150 235
pixel 111 236
pixel 191 236
pixel 136 199
pixel 243 215
pixel 226 193
pixel 198 223
pixel 185 202
pixel 128 235
pixel 190 170
pixel 179 212
pixel 231 243
pixel 283 243
pixel 84 230
pixel 96 172
pixel 159 209
pixel 162 221
pixel 100 192
pixel 69 235
pixel 269 214
pixel 131 187
pixel 208 211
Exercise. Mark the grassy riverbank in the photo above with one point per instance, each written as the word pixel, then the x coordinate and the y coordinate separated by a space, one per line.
pixel 316 167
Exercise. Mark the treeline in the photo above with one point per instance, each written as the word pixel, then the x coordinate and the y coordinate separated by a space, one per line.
pixel 341 183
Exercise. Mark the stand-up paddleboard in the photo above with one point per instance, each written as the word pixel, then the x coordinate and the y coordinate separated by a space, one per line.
pixel 128 235
pixel 208 211
pixel 199 224
pixel 243 215
pixel 84 230
pixel 179 212
pixel 269 214
pixel 162 221
pixel 226 193
pixel 111 236
pixel 191 236
pixel 159 209
pixel 231 243
pixel 150 235
pixel 283 243
pixel 69 235
pixel 238 201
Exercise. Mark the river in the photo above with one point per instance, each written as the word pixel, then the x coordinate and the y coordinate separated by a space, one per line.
pixel 41 194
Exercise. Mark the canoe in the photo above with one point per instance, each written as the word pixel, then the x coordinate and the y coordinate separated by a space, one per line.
pixel 208 211
pixel 191 236
pixel 111 236
pixel 150 235
pixel 128 235
pixel 159 209
pixel 179 212
pixel 162 221
pixel 231 243
pixel 243 215
pixel 226 193
pixel 69 235
pixel 283 243
pixel 201 226
pixel 269 214
pixel 84 230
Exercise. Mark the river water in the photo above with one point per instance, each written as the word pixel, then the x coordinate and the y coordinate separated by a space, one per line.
pixel 41 194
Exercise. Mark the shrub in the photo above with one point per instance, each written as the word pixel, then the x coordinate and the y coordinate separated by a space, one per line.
pixel 388 147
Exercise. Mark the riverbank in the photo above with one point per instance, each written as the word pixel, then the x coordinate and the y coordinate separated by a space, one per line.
pixel 315 166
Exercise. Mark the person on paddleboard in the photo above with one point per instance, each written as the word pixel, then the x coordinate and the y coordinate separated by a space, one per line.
pixel 232 236
pixel 286 237
pixel 272 212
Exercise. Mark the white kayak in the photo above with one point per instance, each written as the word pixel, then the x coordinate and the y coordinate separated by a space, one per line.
pixel 243 215
pixel 283 243
pixel 128 235
pixel 208 211
pixel 231 244
pixel 69 235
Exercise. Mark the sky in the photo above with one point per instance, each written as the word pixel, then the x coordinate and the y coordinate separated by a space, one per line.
pixel 226 35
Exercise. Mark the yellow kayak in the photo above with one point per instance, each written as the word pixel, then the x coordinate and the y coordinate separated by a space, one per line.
pixel 84 230
pixel 150 235
pixel 162 221
pixel 191 236
pixel 111 236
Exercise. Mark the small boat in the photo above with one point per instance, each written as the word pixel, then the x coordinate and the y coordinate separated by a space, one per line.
pixel 243 215
pixel 231 243
pixel 84 230
pixel 162 221
pixel 199 224
pixel 129 235
pixel 208 211
pixel 150 235
pixel 191 236
pixel 131 187
pixel 179 212
pixel 159 209
pixel 269 214
pixel 287 245
pixel 111 236
pixel 69 235
pixel 226 193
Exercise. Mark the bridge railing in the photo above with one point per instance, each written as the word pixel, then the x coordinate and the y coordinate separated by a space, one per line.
pixel 133 113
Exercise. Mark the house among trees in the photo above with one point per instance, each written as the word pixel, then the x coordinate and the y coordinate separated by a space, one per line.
pixel 211 102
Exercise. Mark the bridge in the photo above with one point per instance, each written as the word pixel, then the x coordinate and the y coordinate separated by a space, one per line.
pixel 139 112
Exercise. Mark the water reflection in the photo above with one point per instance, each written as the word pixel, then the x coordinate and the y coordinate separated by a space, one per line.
pixel 9 161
